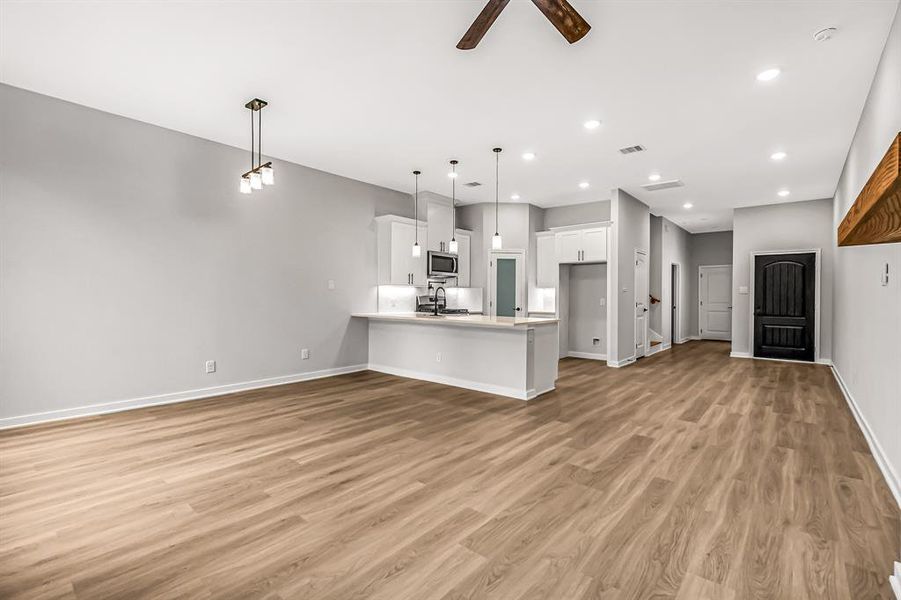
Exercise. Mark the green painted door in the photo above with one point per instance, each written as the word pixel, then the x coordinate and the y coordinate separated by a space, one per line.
pixel 506 287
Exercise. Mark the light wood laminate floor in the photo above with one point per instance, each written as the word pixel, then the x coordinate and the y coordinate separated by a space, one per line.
pixel 689 475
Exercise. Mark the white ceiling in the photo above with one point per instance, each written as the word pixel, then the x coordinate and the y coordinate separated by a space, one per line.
pixel 374 89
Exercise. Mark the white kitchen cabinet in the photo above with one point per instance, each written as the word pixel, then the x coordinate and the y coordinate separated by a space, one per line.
pixel 594 244
pixel 574 246
pixel 568 246
pixel 546 261
pixel 440 223
pixel 464 258
pixel 395 252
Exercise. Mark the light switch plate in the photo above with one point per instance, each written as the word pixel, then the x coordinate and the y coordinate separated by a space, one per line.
pixel 884 276
pixel 211 366
pixel 331 284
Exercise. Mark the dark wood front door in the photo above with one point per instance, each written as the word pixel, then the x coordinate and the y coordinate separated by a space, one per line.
pixel 784 304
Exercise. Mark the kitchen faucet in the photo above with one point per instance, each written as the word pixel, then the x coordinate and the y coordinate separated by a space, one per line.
pixel 444 291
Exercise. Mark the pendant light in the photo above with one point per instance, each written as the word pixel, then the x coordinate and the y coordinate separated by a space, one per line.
pixel 259 174
pixel 496 241
pixel 452 245
pixel 417 249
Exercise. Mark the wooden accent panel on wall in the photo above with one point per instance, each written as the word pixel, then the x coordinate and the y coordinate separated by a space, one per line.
pixel 875 217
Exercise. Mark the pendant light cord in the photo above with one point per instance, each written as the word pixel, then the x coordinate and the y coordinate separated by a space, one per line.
pixel 251 140
pixel 416 204
pixel 454 201
pixel 497 185
pixel 260 139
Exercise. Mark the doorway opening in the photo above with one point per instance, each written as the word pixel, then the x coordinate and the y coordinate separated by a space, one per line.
pixel 675 303
pixel 641 303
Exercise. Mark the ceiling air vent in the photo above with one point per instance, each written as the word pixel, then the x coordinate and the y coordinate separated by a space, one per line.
pixel 472 184
pixel 632 149
pixel 663 185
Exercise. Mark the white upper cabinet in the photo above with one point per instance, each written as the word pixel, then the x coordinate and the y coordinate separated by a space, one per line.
pixel 581 245
pixel 440 224
pixel 594 244
pixel 568 246
pixel 395 252
pixel 546 261
pixel 464 257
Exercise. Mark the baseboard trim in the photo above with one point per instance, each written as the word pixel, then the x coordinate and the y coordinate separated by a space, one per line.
pixel 170 398
pixel 819 361
pixel 888 473
pixel 468 384
pixel 588 355
pixel 621 363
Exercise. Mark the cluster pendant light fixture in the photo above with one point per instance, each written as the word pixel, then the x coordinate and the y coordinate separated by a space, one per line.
pixel 496 241
pixel 259 174
pixel 417 249
pixel 452 245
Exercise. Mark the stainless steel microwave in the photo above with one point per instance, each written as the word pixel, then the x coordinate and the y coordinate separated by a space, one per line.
pixel 442 264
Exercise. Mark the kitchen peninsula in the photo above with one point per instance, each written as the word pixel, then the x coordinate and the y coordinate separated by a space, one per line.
pixel 508 356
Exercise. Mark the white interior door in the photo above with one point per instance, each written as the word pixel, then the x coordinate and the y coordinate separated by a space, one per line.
pixel 715 302
pixel 507 284
pixel 641 304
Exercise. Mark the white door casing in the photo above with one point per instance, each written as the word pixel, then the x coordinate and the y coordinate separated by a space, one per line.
pixel 715 302
pixel 641 303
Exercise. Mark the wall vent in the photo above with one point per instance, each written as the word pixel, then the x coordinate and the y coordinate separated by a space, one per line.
pixel 662 185
pixel 472 184
pixel 632 149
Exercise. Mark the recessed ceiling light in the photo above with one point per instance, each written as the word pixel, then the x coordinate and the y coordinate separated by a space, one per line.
pixel 824 34
pixel 783 193
pixel 514 197
pixel 584 185
pixel 654 177
pixel 769 74
pixel 778 155
pixel 687 205
pixel 592 124
pixel 453 174
pixel 528 155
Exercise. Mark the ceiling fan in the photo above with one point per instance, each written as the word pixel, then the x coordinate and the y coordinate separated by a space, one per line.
pixel 559 12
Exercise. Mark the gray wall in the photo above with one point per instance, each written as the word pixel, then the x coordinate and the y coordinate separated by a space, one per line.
pixel 587 318
pixel 655 270
pixel 791 226
pixel 867 321
pixel 713 248
pixel 128 258
pixel 631 231
pixel 576 214
pixel 676 250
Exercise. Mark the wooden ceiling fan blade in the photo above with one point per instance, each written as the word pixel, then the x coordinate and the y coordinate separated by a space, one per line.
pixel 565 18
pixel 480 26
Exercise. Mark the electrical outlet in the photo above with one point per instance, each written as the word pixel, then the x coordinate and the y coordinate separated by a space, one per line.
pixel 331 284
pixel 595 341
pixel 304 353
pixel 211 366
pixel 603 301
pixel 438 357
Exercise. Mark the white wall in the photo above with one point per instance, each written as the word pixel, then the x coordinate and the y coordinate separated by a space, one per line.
pixel 714 248
pixel 675 251
pixel 587 319
pixel 791 226
pixel 128 258
pixel 577 214
pixel 631 231
pixel 867 319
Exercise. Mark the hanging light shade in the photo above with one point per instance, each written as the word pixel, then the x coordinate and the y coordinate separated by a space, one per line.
pixel 496 241
pixel 268 175
pixel 417 249
pixel 452 246
pixel 259 174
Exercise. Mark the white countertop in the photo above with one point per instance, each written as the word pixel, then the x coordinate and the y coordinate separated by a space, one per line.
pixel 460 320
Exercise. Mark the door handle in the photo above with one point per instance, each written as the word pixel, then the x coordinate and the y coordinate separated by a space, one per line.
pixel 518 309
